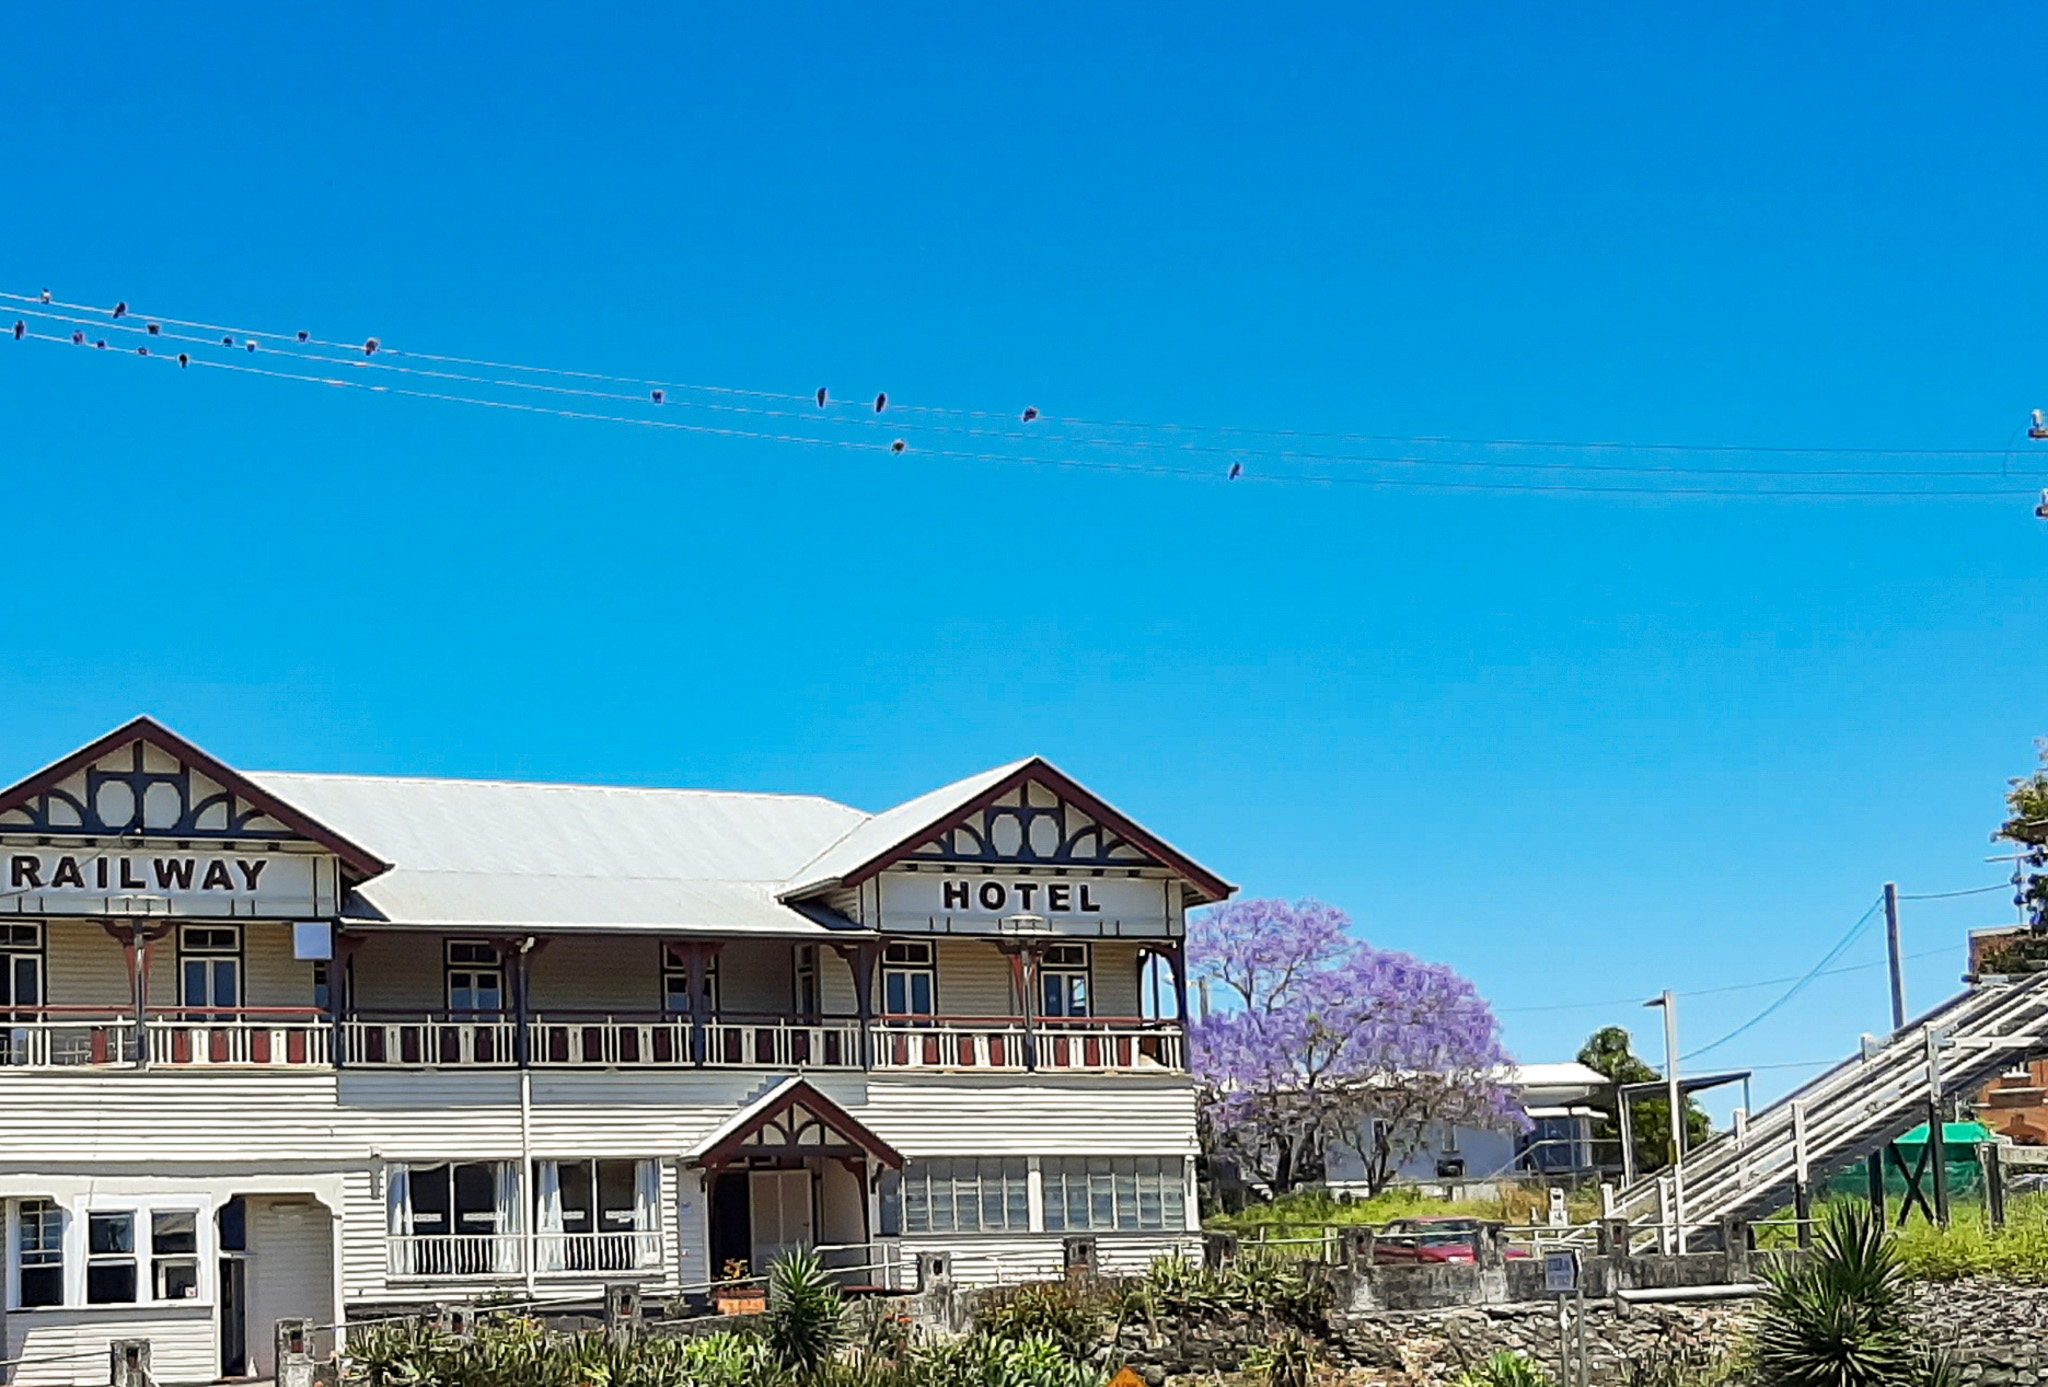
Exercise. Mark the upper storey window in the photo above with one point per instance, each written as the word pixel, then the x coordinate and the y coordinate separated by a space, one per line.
pixel 476 976
pixel 1063 981
pixel 210 966
pixel 909 979
pixel 675 986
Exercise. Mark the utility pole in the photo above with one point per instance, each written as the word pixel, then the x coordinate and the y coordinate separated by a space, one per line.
pixel 1891 943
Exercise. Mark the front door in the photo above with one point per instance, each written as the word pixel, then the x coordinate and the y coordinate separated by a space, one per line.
pixel 234 1317
pixel 782 1216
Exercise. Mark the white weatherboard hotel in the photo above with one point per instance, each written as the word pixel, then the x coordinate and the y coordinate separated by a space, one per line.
pixel 315 1046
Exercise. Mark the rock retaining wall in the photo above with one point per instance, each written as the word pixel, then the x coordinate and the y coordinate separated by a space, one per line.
pixel 1999 1334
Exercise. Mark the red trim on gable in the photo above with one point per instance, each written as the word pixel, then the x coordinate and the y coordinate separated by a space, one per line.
pixel 1039 770
pixel 364 862
pixel 834 1116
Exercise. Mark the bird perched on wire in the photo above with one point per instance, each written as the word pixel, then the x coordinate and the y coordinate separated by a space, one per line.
pixel 20 329
pixel 121 309
pixel 184 359
pixel 898 446
pixel 152 329
pixel 227 341
pixel 1236 470
pixel 250 344
pixel 821 397
pixel 370 347
pixel 78 339
pixel 881 402
pixel 46 296
pixel 657 395
pixel 2041 511
pixel 1030 413
pixel 305 336
pixel 2039 428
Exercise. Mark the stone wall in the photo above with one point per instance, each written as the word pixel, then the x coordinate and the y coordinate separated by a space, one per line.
pixel 1999 1333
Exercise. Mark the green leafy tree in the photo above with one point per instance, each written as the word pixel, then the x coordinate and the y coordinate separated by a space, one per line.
pixel 2027 829
pixel 1607 1050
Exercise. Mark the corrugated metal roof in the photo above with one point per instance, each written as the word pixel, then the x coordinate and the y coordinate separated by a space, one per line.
pixel 864 842
pixel 488 854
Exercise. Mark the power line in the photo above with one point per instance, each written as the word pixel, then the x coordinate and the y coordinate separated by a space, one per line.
pixel 1636 998
pixel 1854 933
pixel 299 352
pixel 1969 891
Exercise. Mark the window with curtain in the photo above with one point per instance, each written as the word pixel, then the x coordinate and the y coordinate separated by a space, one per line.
pixel 1101 1194
pixel 475 1204
pixel 578 1203
pixel 961 1195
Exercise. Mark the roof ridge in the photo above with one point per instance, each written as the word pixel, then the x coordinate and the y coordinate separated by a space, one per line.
pixel 560 785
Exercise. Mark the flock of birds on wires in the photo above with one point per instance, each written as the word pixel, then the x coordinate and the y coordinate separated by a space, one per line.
pixel 1027 435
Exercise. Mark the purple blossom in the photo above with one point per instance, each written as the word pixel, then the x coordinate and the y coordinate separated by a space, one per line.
pixel 1329 1041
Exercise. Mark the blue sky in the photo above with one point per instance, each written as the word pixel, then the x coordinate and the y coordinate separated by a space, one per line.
pixel 1581 747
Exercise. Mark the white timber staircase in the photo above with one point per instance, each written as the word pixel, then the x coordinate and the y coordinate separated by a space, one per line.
pixel 1851 1112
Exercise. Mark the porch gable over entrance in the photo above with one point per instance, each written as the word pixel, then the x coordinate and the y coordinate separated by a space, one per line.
pixel 792 1119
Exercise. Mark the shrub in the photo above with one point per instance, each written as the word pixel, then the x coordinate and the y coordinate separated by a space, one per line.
pixel 1503 1370
pixel 1837 1317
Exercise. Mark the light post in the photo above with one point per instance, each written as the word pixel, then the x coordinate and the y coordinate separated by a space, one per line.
pixel 1675 1149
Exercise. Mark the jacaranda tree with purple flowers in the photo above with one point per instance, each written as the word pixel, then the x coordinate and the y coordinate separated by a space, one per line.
pixel 1318 1039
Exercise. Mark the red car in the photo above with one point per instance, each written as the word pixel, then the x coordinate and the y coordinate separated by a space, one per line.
pixel 1424 1241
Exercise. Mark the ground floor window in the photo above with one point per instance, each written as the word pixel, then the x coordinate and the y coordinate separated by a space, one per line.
pixel 1099 1194
pixel 964 1195
pixel 174 1254
pixel 110 1258
pixel 454 1218
pixel 597 1215
pixel 39 1248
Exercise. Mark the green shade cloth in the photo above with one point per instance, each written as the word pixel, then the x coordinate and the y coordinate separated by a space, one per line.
pixel 1952 1134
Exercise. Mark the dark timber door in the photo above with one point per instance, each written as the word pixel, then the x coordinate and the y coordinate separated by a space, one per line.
pixel 732 1222
pixel 234 1317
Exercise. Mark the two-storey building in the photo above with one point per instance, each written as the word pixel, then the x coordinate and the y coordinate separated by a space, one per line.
pixel 319 1046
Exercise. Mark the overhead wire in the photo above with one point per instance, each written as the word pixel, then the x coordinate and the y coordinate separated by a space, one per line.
pixel 1854 933
pixel 1636 998
pixel 1945 895
pixel 302 349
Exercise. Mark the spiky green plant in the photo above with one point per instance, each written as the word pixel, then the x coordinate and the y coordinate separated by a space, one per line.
pixel 1287 1359
pixel 1837 1317
pixel 1503 1370
pixel 806 1318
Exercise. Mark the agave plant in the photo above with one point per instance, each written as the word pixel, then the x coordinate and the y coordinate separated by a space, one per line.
pixel 1837 1318
pixel 806 1318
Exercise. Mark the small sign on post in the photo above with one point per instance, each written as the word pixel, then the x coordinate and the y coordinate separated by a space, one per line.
pixel 1561 1272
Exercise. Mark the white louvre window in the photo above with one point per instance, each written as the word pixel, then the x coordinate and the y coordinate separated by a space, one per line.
pixel 965 1195
pixel 39 1246
pixel 110 1259
pixel 1101 1194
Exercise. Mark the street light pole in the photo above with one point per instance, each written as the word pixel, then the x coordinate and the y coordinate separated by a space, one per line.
pixel 1675 1151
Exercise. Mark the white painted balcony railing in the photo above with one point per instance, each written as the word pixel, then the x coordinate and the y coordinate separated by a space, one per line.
pixel 1108 1043
pixel 1075 1045
pixel 416 1042
pixel 949 1042
pixel 292 1039
pixel 609 1042
pixel 485 1256
pixel 75 1038
pixel 777 1043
